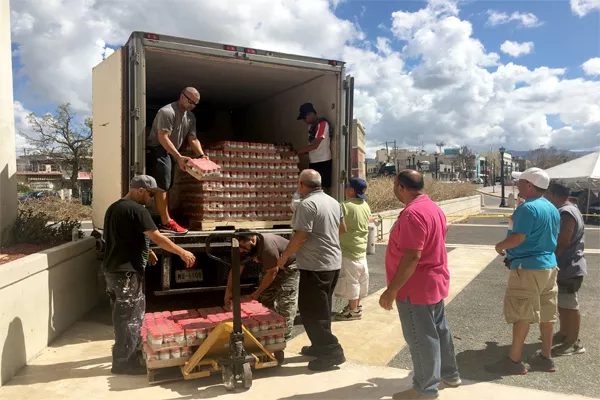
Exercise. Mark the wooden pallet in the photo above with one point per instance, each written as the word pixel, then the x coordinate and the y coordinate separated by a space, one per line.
pixel 231 225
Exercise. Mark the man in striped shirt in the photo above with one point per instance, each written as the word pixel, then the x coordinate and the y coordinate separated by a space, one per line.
pixel 320 132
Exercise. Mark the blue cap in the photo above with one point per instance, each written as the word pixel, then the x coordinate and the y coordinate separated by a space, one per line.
pixel 305 109
pixel 359 186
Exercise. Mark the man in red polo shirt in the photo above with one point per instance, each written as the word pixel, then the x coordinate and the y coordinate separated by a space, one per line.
pixel 418 279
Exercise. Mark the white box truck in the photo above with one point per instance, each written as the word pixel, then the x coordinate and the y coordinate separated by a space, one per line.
pixel 246 95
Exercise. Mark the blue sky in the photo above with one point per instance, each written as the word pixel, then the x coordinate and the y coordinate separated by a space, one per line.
pixel 61 41
pixel 564 40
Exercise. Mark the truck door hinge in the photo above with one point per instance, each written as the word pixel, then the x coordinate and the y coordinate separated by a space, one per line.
pixel 344 130
pixel 346 85
pixel 135 113
pixel 135 58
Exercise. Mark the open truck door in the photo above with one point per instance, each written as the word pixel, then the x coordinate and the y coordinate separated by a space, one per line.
pixel 345 142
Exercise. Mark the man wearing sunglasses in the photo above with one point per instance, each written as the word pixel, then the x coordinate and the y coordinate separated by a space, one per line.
pixel 278 289
pixel 128 229
pixel 173 125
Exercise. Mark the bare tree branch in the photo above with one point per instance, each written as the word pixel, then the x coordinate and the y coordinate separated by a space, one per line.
pixel 61 137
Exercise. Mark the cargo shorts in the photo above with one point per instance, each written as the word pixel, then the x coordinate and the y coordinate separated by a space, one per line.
pixel 531 296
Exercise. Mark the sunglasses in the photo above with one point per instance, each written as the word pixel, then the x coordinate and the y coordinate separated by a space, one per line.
pixel 192 102
pixel 151 194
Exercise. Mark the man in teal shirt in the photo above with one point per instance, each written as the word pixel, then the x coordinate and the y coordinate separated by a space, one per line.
pixel 531 294
pixel 353 284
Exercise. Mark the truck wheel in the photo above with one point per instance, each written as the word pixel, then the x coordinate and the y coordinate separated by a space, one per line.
pixel 247 376
pixel 228 378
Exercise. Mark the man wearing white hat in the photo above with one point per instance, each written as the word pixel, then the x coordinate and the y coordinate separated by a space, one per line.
pixel 531 294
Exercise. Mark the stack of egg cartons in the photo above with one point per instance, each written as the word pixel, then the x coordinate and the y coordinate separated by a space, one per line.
pixel 254 183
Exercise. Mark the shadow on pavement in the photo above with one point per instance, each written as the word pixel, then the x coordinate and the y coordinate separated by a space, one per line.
pixel 34 374
pixel 471 362
pixel 376 388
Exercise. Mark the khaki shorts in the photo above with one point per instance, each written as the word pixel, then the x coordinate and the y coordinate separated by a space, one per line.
pixel 531 296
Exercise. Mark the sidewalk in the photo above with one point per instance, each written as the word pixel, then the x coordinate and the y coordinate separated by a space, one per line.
pixel 77 366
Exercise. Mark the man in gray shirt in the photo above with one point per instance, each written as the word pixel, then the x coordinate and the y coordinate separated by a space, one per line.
pixel 173 125
pixel 316 243
pixel 572 269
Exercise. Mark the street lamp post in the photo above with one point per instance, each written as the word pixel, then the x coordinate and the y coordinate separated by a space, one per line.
pixel 502 199
pixel 436 155
pixel 414 164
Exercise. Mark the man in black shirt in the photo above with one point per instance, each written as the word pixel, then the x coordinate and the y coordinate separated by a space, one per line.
pixel 128 228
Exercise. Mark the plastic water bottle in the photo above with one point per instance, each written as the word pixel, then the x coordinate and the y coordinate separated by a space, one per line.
pixel 75 234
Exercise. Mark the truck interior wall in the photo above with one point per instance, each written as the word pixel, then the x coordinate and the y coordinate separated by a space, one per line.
pixel 274 119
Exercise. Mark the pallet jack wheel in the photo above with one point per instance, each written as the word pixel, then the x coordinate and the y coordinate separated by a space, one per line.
pixel 280 356
pixel 247 376
pixel 228 378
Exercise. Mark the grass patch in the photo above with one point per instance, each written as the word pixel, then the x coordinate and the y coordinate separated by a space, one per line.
pixel 381 192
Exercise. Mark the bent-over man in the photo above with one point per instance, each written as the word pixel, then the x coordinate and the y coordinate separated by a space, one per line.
pixel 278 288
pixel 127 227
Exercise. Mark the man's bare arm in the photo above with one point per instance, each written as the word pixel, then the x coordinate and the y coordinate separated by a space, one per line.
pixel 166 244
pixel 195 145
pixel 567 228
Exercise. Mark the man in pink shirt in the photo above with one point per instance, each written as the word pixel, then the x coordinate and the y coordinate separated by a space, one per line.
pixel 416 265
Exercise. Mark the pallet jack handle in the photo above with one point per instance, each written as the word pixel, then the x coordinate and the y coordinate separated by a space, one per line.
pixel 236 264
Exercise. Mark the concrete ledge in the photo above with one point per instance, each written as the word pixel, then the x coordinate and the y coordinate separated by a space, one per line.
pixel 455 210
pixel 42 295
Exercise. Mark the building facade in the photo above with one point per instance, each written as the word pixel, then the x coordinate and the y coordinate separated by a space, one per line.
pixel 358 150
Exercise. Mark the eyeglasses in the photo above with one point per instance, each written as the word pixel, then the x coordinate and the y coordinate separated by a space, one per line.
pixel 192 102
pixel 151 194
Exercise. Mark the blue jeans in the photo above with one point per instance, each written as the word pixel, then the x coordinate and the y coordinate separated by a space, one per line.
pixel 427 334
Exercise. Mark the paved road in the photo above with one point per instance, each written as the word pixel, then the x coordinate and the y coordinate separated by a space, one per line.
pixel 480 334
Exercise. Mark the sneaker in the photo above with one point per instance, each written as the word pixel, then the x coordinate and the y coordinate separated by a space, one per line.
pixel 412 394
pixel 347 308
pixel 326 363
pixel 349 315
pixel 173 227
pixel 539 362
pixel 452 382
pixel 567 349
pixel 506 366
pixel 558 338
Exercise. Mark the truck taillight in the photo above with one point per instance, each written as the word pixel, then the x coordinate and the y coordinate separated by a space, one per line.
pixel 151 36
pixel 334 63
pixel 229 48
pixel 249 51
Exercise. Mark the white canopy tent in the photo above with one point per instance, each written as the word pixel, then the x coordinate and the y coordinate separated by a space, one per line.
pixel 582 173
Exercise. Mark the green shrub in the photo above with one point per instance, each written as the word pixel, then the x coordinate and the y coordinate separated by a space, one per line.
pixel 35 228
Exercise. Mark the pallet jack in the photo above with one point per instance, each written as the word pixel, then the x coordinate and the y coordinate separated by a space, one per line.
pixel 237 366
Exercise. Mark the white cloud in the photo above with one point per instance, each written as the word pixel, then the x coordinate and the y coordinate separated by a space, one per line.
pixel 22 126
pixel 516 49
pixel 582 8
pixel 526 20
pixel 592 66
pixel 440 84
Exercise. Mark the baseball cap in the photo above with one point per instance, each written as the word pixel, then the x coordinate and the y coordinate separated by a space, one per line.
pixel 144 182
pixel 537 176
pixel 305 109
pixel 359 186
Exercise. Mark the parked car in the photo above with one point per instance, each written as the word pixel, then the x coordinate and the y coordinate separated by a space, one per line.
pixel 42 194
pixel 477 181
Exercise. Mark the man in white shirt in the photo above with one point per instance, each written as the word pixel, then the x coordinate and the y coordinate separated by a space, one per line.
pixel 320 133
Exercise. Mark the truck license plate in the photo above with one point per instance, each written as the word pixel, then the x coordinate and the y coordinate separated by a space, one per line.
pixel 188 275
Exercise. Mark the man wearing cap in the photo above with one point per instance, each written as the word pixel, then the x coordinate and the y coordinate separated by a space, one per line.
pixel 320 133
pixel 173 125
pixel 128 227
pixel 572 268
pixel 353 284
pixel 531 294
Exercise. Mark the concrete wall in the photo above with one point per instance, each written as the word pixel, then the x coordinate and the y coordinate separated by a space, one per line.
pixel 8 165
pixel 41 295
pixel 455 210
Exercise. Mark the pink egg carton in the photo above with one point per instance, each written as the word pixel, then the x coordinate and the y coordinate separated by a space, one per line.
pixel 184 314
pixel 205 312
